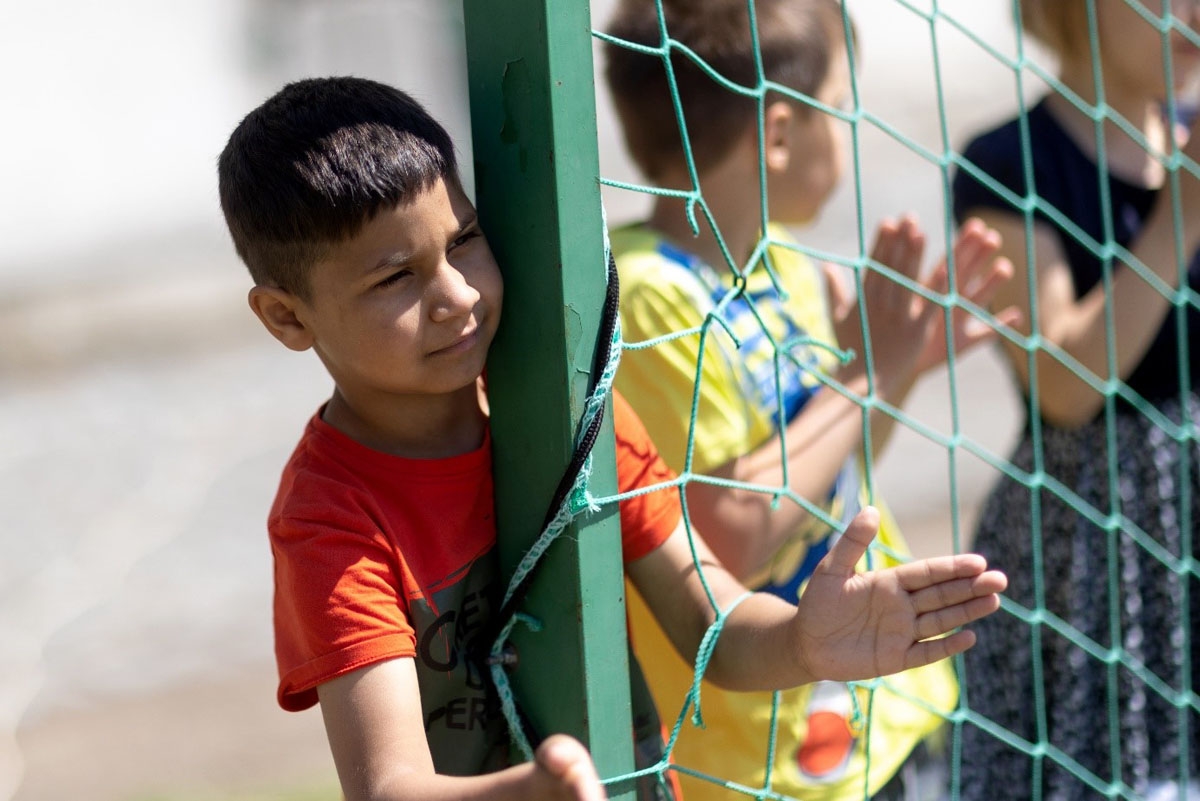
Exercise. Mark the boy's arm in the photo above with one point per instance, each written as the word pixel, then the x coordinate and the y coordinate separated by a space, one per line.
pixel 376 732
pixel 847 625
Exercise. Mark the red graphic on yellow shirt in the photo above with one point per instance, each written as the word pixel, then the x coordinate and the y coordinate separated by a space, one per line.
pixel 830 740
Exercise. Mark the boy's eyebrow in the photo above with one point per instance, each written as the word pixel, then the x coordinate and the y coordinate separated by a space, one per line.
pixel 398 259
pixel 471 219
pixel 401 258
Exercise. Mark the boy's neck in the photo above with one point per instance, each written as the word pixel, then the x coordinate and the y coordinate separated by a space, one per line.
pixel 413 426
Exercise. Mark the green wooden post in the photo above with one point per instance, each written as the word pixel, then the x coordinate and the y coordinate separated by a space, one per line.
pixel 533 122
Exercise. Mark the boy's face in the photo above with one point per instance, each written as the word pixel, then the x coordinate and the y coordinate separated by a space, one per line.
pixel 409 305
pixel 817 151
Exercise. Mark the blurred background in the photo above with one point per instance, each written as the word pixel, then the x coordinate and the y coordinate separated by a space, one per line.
pixel 145 416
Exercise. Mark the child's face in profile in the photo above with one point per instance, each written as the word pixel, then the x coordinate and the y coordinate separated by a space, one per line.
pixel 818 150
pixel 410 304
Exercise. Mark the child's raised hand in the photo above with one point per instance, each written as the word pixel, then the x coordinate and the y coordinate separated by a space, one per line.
pixel 852 625
pixel 978 273
pixel 565 771
pixel 893 317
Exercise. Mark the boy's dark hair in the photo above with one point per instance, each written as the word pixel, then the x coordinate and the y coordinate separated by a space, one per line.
pixel 797 39
pixel 315 162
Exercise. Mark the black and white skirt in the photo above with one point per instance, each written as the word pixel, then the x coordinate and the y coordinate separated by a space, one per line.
pixel 1088 684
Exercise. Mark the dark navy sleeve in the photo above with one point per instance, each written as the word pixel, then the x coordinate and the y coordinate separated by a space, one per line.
pixel 997 155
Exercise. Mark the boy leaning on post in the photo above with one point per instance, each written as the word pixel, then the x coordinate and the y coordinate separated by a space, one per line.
pixel 343 199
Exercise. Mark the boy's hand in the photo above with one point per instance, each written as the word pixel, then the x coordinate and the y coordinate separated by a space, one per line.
pixel 860 625
pixel 894 318
pixel 565 771
pixel 978 273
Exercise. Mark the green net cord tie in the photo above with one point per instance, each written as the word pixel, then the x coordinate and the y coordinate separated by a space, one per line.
pixel 844 356
pixel 704 653
pixel 500 656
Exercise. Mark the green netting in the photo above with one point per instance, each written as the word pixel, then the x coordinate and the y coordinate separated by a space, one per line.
pixel 1119 529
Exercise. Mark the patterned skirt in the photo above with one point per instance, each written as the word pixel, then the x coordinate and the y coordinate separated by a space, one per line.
pixel 1087 684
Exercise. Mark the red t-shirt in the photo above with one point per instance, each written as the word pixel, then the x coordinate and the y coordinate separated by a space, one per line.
pixel 379 557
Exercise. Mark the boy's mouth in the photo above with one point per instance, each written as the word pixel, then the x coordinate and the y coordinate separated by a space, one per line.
pixel 461 343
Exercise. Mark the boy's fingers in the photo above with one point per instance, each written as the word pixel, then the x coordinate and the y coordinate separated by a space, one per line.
pixel 914 246
pixel 937 623
pixel 850 547
pixel 840 298
pixel 567 760
pixel 924 573
pixel 908 247
pixel 981 285
pixel 957 591
pixel 976 239
pixel 885 241
pixel 923 653
pixel 975 267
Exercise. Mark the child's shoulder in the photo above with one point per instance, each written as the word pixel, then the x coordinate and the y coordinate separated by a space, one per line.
pixel 655 270
pixel 332 478
pixel 318 479
pixel 643 254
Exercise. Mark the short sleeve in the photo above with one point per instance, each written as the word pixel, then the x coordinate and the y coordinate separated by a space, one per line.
pixel 997 155
pixel 338 604
pixel 660 381
pixel 646 520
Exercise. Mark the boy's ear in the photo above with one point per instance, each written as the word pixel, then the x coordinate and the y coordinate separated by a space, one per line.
pixel 276 308
pixel 778 123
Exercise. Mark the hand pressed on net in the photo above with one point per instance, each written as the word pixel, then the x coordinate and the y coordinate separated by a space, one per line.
pixel 978 273
pixel 851 625
pixel 908 330
pixel 892 319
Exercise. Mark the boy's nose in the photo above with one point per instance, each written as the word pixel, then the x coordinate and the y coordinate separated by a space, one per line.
pixel 454 295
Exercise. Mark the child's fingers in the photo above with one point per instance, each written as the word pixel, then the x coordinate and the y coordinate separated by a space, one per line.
pixel 917 575
pixel 884 247
pixel 900 246
pixel 980 285
pixel 929 651
pixel 841 299
pixel 908 246
pixel 942 621
pixel 565 759
pixel 956 591
pixel 849 548
pixel 914 244
pixel 976 242
pixel 973 249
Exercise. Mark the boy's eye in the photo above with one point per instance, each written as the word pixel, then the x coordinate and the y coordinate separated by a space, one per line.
pixel 462 240
pixel 393 278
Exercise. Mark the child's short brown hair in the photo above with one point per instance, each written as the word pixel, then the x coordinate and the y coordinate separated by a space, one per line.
pixel 797 40
pixel 315 162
